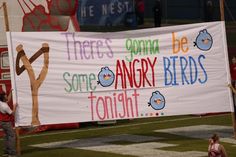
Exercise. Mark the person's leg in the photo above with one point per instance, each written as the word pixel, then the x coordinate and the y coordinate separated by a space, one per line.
pixel 141 16
pixel 5 143
pixel 159 21
pixel 155 21
pixel 234 85
pixel 10 138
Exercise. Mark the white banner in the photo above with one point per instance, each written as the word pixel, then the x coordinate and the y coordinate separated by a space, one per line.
pixel 62 77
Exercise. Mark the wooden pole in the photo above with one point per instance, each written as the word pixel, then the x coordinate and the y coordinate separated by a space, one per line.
pixel 233 113
pixel 18 149
pixel 222 18
pixel 7 28
pixel 222 10
pixel 5 16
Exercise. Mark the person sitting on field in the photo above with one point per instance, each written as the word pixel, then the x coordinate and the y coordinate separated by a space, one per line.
pixel 215 149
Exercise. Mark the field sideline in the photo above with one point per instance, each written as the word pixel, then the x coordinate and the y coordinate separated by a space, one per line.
pixel 163 136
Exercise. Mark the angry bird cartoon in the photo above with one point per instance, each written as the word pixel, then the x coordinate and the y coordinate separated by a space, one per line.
pixel 157 101
pixel 204 40
pixel 106 77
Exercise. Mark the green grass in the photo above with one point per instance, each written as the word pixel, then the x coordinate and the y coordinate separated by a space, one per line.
pixel 136 126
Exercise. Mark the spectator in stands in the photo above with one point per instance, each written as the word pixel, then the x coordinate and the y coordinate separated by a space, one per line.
pixel 208 10
pixel 233 71
pixel 157 13
pixel 6 114
pixel 139 10
pixel 215 149
pixel 233 80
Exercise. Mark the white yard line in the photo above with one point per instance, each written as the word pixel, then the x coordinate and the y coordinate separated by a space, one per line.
pixel 141 146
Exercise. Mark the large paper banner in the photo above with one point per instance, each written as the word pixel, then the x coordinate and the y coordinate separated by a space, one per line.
pixel 61 77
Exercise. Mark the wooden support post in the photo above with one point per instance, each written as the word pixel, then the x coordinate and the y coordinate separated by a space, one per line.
pixel 18 149
pixel 233 113
pixel 222 18
pixel 5 16
pixel 234 123
pixel 7 28
pixel 222 10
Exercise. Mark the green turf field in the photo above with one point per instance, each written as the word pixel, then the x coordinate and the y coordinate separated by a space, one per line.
pixel 150 127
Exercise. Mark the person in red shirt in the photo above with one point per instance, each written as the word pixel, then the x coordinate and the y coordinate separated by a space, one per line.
pixel 233 81
pixel 139 10
pixel 233 70
pixel 6 114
